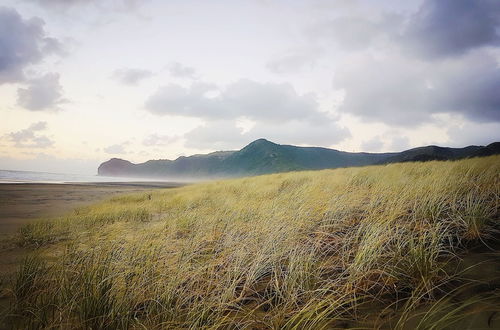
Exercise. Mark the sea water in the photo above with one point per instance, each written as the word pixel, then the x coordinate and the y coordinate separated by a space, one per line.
pixel 7 176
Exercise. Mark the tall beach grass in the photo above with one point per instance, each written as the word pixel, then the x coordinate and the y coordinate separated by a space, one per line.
pixel 368 247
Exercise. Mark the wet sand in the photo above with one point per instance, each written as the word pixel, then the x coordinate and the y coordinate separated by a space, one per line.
pixel 24 202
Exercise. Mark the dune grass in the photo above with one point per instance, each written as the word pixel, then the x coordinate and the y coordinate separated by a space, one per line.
pixel 368 247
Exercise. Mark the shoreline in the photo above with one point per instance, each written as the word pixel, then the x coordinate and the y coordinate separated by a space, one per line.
pixel 145 184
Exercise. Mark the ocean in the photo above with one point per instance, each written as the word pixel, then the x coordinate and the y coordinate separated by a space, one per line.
pixel 7 176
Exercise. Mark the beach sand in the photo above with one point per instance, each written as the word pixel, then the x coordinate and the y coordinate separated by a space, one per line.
pixel 24 202
pixel 21 203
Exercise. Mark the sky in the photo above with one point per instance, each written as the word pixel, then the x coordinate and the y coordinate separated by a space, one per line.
pixel 82 81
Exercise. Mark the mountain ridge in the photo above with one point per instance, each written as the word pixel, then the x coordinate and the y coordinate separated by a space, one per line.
pixel 264 157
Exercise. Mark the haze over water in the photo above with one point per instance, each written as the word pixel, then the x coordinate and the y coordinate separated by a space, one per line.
pixel 44 177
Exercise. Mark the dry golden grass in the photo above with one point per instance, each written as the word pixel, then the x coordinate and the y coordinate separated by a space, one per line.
pixel 368 247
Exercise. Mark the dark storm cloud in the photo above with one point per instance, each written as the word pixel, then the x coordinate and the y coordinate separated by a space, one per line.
pixel 30 137
pixel 42 93
pixel 22 42
pixel 442 28
pixel 254 100
pixel 131 76
pixel 470 86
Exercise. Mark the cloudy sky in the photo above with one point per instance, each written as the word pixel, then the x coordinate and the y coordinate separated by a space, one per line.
pixel 82 81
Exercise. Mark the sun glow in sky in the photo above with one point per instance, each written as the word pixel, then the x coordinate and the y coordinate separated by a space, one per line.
pixel 82 81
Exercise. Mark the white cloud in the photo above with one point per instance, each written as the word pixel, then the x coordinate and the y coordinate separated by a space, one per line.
pixel 30 137
pixel 224 134
pixel 257 101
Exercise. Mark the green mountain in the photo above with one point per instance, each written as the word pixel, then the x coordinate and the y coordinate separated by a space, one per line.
pixel 263 157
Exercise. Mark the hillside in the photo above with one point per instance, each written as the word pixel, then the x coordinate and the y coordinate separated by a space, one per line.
pixel 398 246
pixel 443 153
pixel 265 157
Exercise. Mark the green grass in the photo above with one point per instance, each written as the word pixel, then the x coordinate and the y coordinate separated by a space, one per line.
pixel 362 247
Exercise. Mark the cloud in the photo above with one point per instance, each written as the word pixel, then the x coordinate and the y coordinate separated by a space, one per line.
pixel 404 66
pixel 116 149
pixel 179 70
pixel 159 140
pixel 218 135
pixel 23 42
pixel 390 90
pixel 469 86
pixel 294 61
pixel 407 92
pixel 225 134
pixel 56 3
pixel 54 46
pixel 342 34
pixel 257 101
pixel 437 29
pixel 400 143
pixel 42 93
pixel 353 33
pixel 131 76
pixel 473 133
pixel 117 5
pixel 244 111
pixel 442 28
pixel 373 145
pixel 30 137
